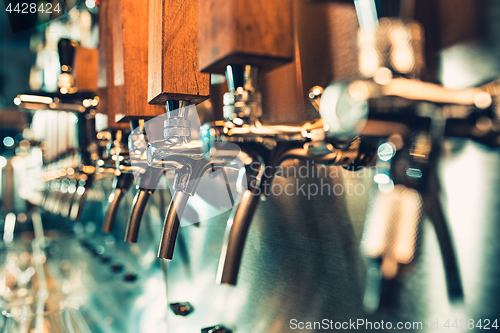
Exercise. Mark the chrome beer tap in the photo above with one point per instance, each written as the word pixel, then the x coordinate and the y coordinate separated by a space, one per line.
pixel 408 119
pixel 147 177
pixel 263 148
pixel 117 161
pixel 74 167
pixel 184 155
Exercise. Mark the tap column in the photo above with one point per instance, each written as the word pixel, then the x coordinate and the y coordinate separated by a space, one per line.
pixel 111 97
pixel 243 39
pixel 175 82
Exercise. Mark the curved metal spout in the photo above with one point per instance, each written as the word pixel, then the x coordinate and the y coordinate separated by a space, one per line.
pixel 140 202
pixel 81 193
pixel 61 202
pixel 171 224
pixel 435 212
pixel 76 211
pixel 122 183
pixel 236 233
pixel 48 202
pixel 242 215
pixel 66 208
pixel 149 181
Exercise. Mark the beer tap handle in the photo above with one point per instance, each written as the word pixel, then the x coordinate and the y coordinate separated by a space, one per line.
pixel 174 81
pixel 66 48
pixel 121 185
pixel 66 79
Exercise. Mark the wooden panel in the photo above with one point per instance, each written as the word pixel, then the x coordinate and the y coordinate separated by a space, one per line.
pixel 324 36
pixel 173 53
pixel 257 32
pixel 85 69
pixel 102 51
pixel 12 118
pixel 109 96
pixel 130 31
pixel 459 24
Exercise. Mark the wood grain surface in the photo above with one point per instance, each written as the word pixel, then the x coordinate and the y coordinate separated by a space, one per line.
pixel 109 96
pixel 257 32
pixel 130 58
pixel 85 69
pixel 173 53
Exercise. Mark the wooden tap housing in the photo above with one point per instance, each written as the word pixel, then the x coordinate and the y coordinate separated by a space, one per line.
pixel 109 96
pixel 130 60
pixel 85 69
pixel 173 53
pixel 257 32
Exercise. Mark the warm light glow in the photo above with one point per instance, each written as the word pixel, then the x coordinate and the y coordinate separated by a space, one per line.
pixel 10 223
pixel 482 100
pixel 35 99
pixel 387 187
pixel 383 76
pixel 381 178
pixel 238 121
pixel 24 144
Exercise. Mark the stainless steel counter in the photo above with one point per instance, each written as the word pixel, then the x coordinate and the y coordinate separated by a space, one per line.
pixel 301 261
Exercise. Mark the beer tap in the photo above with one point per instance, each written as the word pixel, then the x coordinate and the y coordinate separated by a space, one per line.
pixel 178 152
pixel 175 82
pixel 78 97
pixel 126 65
pixel 148 179
pixel 118 151
pixel 407 118
pixel 264 146
pixel 115 160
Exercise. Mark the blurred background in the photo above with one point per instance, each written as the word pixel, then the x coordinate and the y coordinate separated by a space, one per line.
pixel 69 153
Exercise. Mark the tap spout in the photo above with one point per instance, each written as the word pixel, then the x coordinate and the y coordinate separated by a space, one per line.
pixel 236 233
pixel 171 224
pixel 148 182
pixel 81 194
pixel 121 185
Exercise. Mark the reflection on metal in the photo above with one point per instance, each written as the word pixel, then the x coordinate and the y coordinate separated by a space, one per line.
pixel 265 146
pixel 298 250
pixel 121 184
